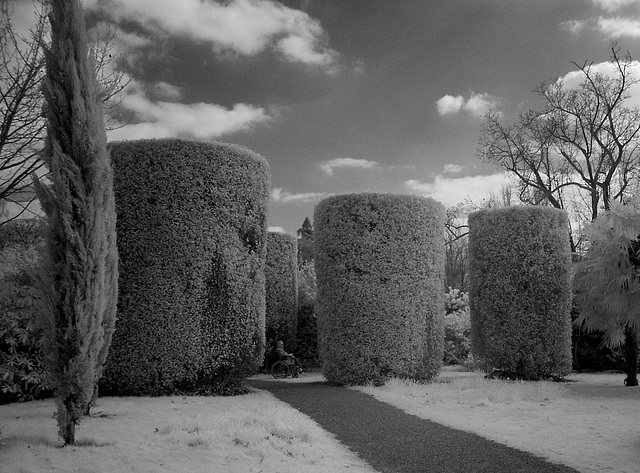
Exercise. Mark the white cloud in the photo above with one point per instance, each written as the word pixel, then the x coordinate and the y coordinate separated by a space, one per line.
pixel 574 26
pixel 613 5
pixel 575 78
pixel 245 27
pixel 160 119
pixel 329 166
pixel 454 190
pixel 276 229
pixel 449 105
pixel 278 195
pixel 452 169
pixel 618 27
pixel 476 104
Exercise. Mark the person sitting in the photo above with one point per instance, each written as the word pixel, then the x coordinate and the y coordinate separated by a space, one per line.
pixel 284 356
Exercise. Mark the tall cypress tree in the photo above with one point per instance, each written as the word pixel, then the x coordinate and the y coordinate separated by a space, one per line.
pixel 80 277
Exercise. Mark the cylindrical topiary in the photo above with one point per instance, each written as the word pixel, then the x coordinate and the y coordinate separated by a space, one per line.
pixel 191 234
pixel 281 276
pixel 380 304
pixel 520 290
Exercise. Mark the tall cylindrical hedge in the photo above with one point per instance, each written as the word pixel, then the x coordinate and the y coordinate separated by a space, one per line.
pixel 281 276
pixel 520 290
pixel 380 304
pixel 191 236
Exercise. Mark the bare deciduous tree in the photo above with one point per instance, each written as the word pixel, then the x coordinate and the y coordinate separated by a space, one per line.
pixel 21 103
pixel 582 151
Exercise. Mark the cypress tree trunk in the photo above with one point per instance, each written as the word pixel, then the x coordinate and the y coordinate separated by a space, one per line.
pixel 79 281
pixel 631 355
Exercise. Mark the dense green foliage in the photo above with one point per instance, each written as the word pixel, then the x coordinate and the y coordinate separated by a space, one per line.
pixel 457 327
pixel 23 371
pixel 281 279
pixel 307 350
pixel 607 281
pixel 80 271
pixel 520 290
pixel 23 232
pixel 191 236
pixel 380 265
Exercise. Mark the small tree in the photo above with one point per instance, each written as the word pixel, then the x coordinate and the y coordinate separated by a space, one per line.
pixel 305 243
pixel 79 279
pixel 607 282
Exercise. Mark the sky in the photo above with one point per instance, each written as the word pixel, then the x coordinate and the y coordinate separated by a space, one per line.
pixel 349 96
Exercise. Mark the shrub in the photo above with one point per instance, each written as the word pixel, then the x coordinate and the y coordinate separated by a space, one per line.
pixel 191 235
pixel 457 327
pixel 380 306
pixel 520 290
pixel 23 371
pixel 281 278
pixel 307 344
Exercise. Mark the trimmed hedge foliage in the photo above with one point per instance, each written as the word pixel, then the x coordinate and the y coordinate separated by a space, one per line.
pixel 520 290
pixel 191 236
pixel 281 275
pixel 380 270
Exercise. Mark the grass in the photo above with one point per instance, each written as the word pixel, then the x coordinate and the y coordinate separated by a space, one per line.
pixel 474 388
pixel 250 433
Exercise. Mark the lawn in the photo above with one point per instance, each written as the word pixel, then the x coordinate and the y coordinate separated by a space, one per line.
pixel 590 423
pixel 251 433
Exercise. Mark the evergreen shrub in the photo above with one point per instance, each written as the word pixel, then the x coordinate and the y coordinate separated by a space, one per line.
pixel 379 260
pixel 457 327
pixel 307 350
pixel 281 276
pixel 520 290
pixel 191 236
pixel 23 371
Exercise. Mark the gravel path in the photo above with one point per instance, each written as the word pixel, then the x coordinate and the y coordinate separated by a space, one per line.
pixel 392 441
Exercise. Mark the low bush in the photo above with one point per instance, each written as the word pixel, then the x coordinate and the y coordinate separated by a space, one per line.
pixel 380 266
pixel 23 371
pixel 457 327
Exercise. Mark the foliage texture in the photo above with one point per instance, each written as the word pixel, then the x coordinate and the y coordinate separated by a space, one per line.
pixel 192 235
pixel 23 371
pixel 281 278
pixel 380 265
pixel 80 277
pixel 520 290
pixel 307 350
pixel 608 280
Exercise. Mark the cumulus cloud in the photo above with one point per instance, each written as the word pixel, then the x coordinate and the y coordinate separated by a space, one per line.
pixel 278 195
pixel 276 229
pixel 329 166
pixel 245 27
pixel 449 105
pixel 575 78
pixel 476 104
pixel 163 119
pixel 453 190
